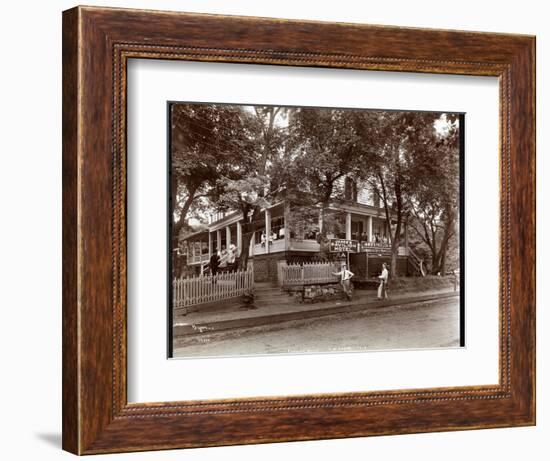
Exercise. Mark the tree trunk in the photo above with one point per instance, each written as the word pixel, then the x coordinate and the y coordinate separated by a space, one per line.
pixel 396 238
pixel 248 231
pixel 443 261
pixel 442 252
pixel 435 262
pixel 245 250
pixel 394 255
pixel 324 246
pixel 177 225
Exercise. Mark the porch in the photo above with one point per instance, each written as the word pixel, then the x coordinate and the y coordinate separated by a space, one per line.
pixel 276 234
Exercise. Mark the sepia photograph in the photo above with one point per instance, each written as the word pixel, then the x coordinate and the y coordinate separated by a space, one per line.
pixel 298 230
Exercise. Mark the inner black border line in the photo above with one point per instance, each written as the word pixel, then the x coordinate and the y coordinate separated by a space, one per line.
pixel 169 291
pixel 462 217
pixel 462 224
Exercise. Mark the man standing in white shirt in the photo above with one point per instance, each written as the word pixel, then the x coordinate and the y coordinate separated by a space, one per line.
pixel 382 294
pixel 345 280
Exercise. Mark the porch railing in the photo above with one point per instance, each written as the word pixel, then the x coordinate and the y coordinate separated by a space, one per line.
pixel 197 259
pixel 304 245
pixel 307 273
pixel 205 289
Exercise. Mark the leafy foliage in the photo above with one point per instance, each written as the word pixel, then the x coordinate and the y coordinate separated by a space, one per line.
pixel 247 158
pixel 208 141
pixel 434 205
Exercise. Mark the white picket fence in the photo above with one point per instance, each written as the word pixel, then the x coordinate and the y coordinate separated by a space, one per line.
pixel 205 289
pixel 308 273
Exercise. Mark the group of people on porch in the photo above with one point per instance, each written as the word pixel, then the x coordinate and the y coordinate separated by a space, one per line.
pixel 276 234
pixel 223 260
pixel 374 238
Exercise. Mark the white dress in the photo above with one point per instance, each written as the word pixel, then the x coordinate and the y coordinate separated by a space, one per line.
pixel 383 279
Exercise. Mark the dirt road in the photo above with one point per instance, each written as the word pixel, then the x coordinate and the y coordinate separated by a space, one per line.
pixel 422 325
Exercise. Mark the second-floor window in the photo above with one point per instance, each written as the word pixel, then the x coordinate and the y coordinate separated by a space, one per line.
pixel 376 199
pixel 350 190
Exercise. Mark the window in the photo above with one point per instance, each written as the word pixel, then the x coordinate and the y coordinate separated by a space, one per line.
pixel 376 198
pixel 350 190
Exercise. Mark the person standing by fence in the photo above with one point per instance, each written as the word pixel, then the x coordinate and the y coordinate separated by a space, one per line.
pixel 214 263
pixel 382 293
pixel 345 280
pixel 223 258
pixel 231 256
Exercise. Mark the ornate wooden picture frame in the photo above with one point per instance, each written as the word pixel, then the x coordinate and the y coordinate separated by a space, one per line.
pixel 97 44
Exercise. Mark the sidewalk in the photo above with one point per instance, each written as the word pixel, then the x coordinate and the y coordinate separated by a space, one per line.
pixel 243 316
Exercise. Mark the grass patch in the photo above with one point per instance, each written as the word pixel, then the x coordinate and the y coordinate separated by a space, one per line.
pixel 430 282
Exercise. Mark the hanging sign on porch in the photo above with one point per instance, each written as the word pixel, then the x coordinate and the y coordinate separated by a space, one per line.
pixel 375 247
pixel 343 246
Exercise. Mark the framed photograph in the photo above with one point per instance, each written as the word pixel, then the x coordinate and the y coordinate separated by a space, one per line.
pixel 284 230
pixel 285 223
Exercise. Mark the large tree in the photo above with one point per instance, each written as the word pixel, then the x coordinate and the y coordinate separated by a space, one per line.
pixel 327 149
pixel 258 181
pixel 435 204
pixel 397 141
pixel 236 158
pixel 208 141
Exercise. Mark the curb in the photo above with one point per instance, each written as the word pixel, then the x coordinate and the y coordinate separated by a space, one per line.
pixel 270 319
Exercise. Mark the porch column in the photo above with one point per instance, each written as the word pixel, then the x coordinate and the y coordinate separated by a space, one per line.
pixel 209 244
pixel 287 225
pixel 369 228
pixel 348 226
pixel 239 238
pixel 218 240
pixel 267 229
pixel 227 237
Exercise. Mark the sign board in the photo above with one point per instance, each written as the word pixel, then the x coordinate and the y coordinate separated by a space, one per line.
pixel 343 246
pixel 376 248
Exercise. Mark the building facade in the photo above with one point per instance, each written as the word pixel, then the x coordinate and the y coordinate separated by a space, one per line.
pixel 278 239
